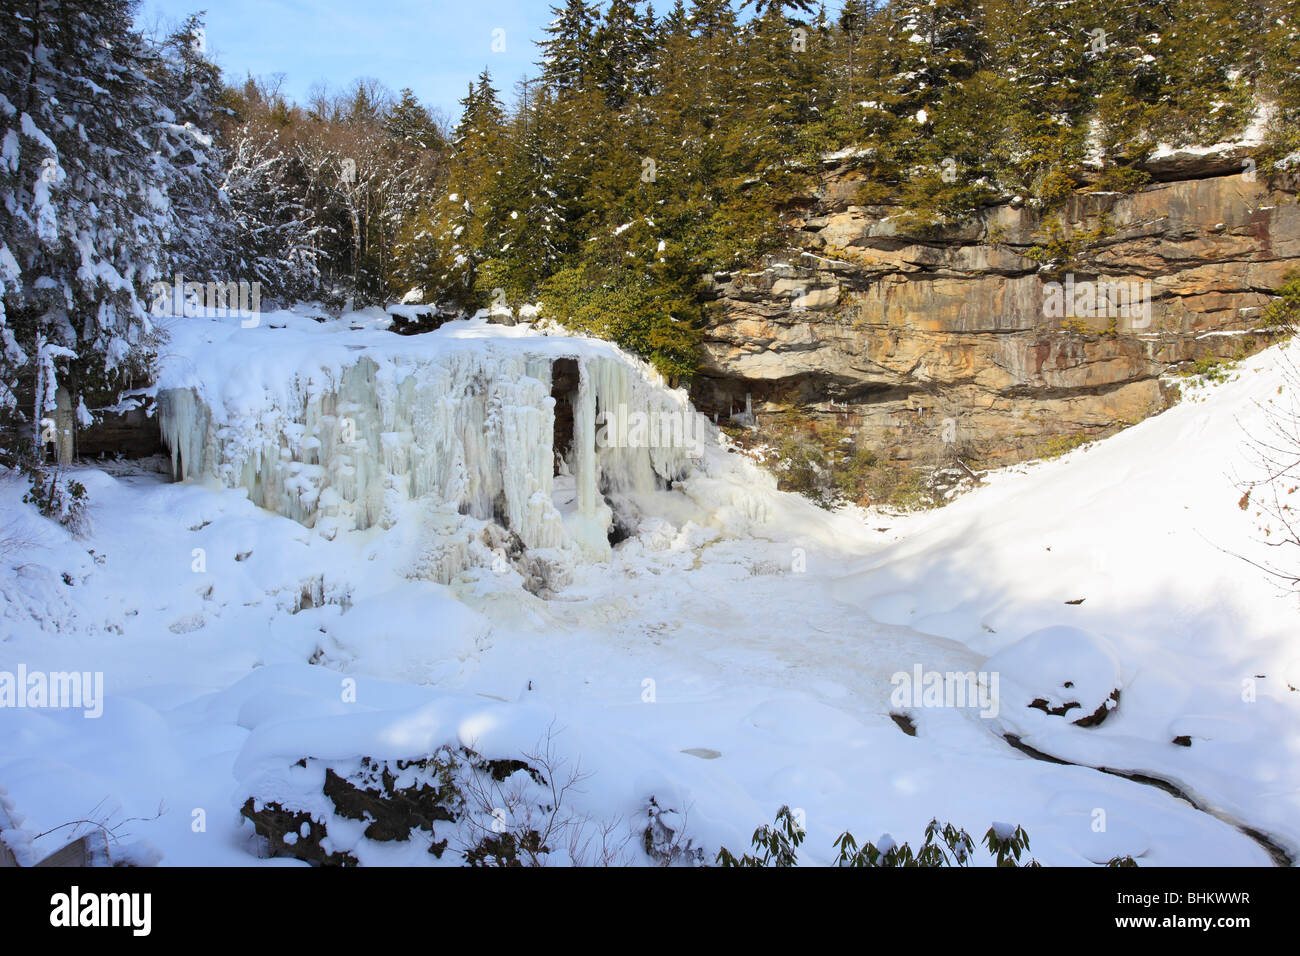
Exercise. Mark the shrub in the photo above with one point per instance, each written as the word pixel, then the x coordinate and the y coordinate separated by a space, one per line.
pixel 825 463
pixel 945 845
pixel 1122 179
pixel 1283 313
pixel 778 844
pixel 58 498
pixel 659 324
pixel 1209 368
pixel 1058 445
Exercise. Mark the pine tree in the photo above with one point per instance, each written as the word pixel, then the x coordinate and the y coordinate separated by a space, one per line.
pixel 86 214
pixel 618 46
pixel 935 43
pixel 443 248
pixel 202 232
pixel 568 51
pixel 779 7
pixel 410 124
pixel 532 221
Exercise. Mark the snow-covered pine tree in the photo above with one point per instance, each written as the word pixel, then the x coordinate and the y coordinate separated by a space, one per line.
pixel 409 123
pixel 782 8
pixel 203 230
pixel 86 215
pixel 935 42
pixel 618 47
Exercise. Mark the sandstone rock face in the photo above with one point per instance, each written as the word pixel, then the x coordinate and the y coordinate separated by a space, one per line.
pixel 982 340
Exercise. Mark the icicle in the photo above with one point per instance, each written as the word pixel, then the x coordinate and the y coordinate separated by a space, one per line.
pixel 468 429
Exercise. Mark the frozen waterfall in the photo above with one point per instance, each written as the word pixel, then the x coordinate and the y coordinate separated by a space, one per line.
pixel 340 431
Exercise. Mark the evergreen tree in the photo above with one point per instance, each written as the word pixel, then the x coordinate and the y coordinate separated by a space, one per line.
pixel 87 185
pixel 532 221
pixel 779 7
pixel 936 42
pixel 442 249
pixel 203 232
pixel 568 51
pixel 618 53
pixel 410 124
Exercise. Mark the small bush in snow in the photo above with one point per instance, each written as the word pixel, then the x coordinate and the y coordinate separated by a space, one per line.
pixel 663 838
pixel 778 844
pixel 59 498
pixel 945 845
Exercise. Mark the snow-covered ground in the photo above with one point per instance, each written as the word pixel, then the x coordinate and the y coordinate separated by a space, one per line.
pixel 739 652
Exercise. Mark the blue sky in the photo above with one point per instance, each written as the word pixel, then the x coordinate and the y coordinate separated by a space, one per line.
pixel 433 46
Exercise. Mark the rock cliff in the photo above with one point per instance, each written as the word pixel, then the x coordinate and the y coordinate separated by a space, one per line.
pixel 923 341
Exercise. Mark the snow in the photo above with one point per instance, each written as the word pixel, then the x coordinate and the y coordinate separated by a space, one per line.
pixel 341 426
pixel 9 268
pixel 1094 153
pixel 387 636
pixel 848 152
pixel 10 150
pixel 1253 135
pixel 1061 665
pixel 236 639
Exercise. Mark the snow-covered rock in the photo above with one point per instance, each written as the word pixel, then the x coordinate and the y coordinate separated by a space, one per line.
pixel 1063 671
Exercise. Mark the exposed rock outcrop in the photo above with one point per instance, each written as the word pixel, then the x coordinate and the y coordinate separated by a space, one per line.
pixel 934 343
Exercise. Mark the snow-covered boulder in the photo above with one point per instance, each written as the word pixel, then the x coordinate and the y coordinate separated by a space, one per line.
pixel 416 633
pixel 1062 671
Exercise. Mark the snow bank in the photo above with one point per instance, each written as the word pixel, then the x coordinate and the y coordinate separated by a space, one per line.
pixel 1133 553
pixel 1062 670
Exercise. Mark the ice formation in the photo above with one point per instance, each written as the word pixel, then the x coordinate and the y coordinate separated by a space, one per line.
pixel 340 438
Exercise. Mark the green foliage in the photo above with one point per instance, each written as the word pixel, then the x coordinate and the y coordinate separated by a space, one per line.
pixel 639 312
pixel 944 845
pixel 1059 445
pixel 1209 368
pixel 1007 848
pixel 1055 187
pixel 1063 249
pixel 652 151
pixel 778 845
pixel 1122 179
pixel 1283 313
pixel 825 463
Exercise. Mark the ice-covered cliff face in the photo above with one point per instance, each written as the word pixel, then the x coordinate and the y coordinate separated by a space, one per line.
pixel 341 426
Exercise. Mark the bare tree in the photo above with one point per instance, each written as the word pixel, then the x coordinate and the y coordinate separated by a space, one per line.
pixel 530 810
pixel 1275 474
